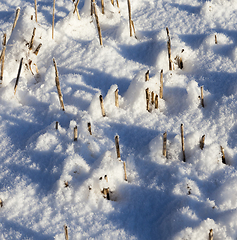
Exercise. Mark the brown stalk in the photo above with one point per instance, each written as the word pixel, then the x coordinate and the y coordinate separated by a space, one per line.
pixel 97 22
pixel 58 86
pixel 161 84
pixel 102 106
pixel 182 141
pixel 18 76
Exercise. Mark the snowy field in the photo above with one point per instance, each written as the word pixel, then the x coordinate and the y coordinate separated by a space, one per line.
pixel 48 180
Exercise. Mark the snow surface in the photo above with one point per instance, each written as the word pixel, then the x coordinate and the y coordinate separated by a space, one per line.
pixel 48 180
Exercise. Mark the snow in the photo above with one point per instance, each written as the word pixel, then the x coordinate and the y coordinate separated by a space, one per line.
pixel 48 180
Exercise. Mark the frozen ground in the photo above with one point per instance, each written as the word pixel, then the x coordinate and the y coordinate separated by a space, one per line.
pixel 47 180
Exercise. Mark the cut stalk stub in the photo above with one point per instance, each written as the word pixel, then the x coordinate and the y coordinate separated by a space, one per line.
pixel 36 10
pixel 75 133
pixel 58 86
pixel 156 102
pixel 66 232
pixel 169 49
pixel 182 141
pixel 223 155
pixel 56 126
pixel 152 97
pixel 164 144
pixel 106 178
pixel 97 23
pixel 37 49
pixel 117 147
pixel 16 18
pixel 147 99
pixel 147 76
pixel 211 234
pixel 102 106
pixel 202 98
pixel 125 171
pixel 106 193
pixel 116 98
pixel 89 127
pixel 161 83
pixel 130 17
pixel 32 39
pixel 202 142
pixel 18 76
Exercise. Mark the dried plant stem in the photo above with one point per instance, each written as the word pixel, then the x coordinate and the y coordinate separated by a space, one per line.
pixel 161 84
pixel 147 76
pixel 116 98
pixel 223 155
pixel 1 203
pixel 130 17
pixel 16 18
pixel 76 10
pixel 117 3
pixel 92 12
pixel 215 39
pixel 125 171
pixel 18 76
pixel 182 141
pixel 112 2
pixel 32 39
pixel 202 98
pixel 117 147
pixel 103 6
pixel 66 232
pixel 180 62
pixel 37 49
pixel 56 126
pixel 164 143
pixel 89 127
pixel 53 19
pixel 106 178
pixel 58 86
pixel 169 49
pixel 75 133
pixel 106 193
pixel 36 10
pixel 3 61
pixel 4 42
pixel 202 142
pixel 133 28
pixel 156 102
pixel 97 22
pixel 147 99
pixel 211 234
pixel 152 97
pixel 102 106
